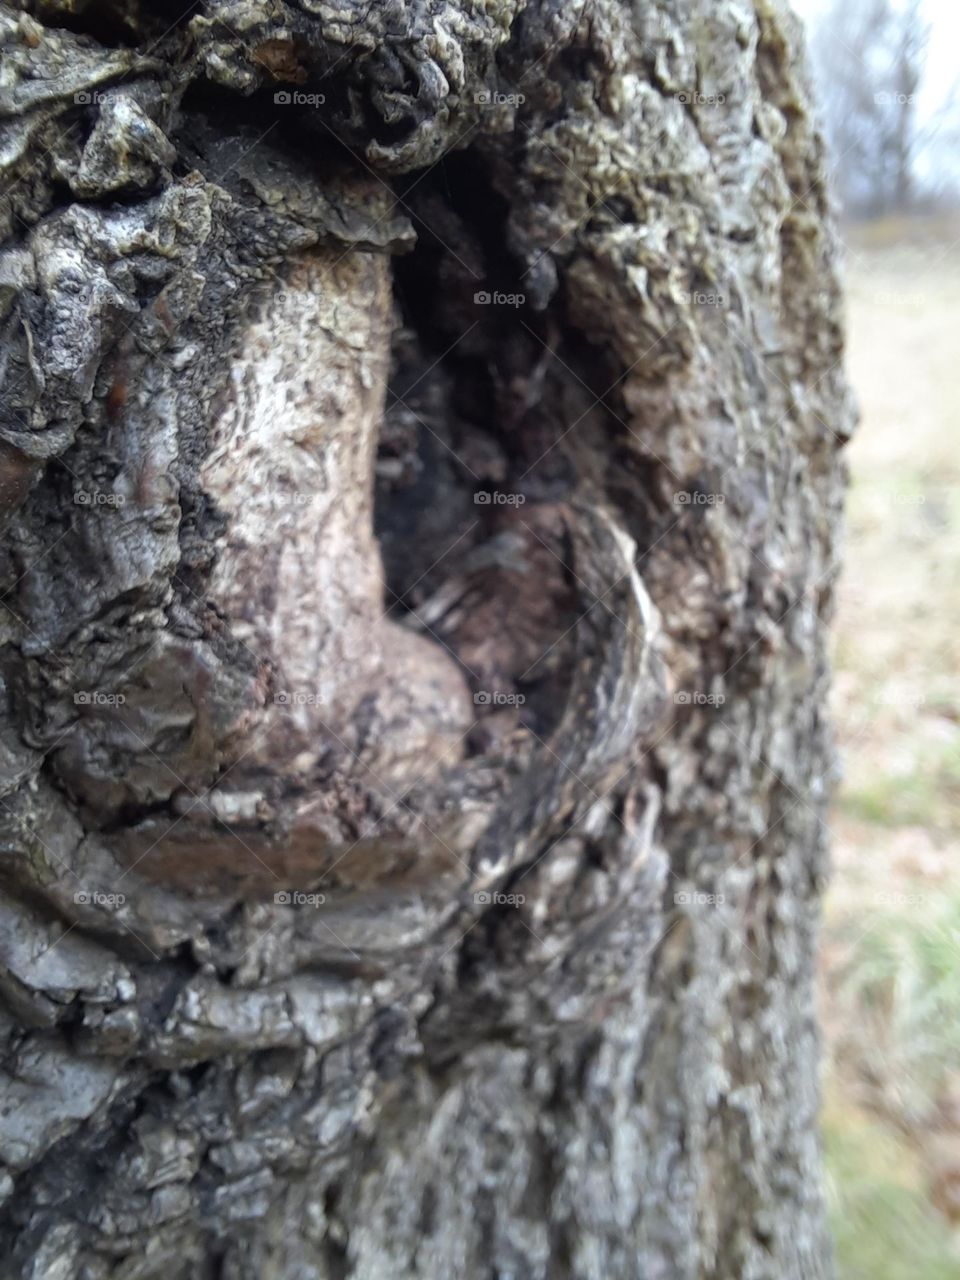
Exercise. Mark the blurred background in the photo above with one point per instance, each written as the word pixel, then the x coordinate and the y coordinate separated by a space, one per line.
pixel 887 74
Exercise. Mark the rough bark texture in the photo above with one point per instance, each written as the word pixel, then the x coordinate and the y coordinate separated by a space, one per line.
pixel 396 883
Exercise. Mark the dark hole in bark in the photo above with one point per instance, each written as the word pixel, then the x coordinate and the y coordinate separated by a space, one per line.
pixel 311 99
pixel 494 412
pixel 216 127
pixel 470 487
pixel 116 23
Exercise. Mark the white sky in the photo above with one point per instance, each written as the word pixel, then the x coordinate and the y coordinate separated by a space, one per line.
pixel 943 59
pixel 939 161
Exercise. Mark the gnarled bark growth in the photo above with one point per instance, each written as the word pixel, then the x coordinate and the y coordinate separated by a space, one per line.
pixel 419 466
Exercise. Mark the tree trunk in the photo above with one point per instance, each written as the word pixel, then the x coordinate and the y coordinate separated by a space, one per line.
pixel 420 466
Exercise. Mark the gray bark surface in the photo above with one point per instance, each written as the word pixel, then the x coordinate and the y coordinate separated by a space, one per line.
pixel 396 884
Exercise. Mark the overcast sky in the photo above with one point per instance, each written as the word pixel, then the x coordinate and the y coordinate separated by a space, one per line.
pixel 943 64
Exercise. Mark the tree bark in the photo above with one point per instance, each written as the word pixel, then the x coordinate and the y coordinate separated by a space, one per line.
pixel 421 479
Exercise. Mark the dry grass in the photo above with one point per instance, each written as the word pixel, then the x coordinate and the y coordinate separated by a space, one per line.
pixel 891 967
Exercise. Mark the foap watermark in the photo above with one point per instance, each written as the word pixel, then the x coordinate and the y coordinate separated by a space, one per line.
pixel 491 898
pixel 696 498
pixel 697 698
pixel 887 99
pixel 96 698
pixel 279 498
pixel 693 898
pixel 904 699
pixel 897 899
pixel 497 498
pixel 94 97
pixel 494 698
pixel 94 898
pixel 900 700
pixel 702 298
pixel 297 98
pixel 898 300
pixel 97 498
pixel 299 698
pixel 494 98
pixel 495 298
pixel 694 98
pixel 297 898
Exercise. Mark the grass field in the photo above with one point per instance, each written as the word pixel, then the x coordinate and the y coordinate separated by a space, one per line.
pixel 891 956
